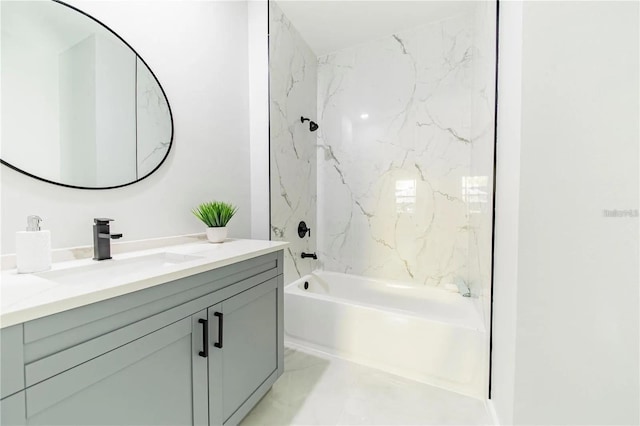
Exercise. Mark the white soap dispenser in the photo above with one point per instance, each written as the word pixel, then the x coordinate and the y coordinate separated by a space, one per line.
pixel 33 248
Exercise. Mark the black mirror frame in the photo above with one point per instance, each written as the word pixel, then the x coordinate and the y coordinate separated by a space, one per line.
pixel 11 166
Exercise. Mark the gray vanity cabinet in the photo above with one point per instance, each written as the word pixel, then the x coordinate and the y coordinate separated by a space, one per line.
pixel 201 350
pixel 158 379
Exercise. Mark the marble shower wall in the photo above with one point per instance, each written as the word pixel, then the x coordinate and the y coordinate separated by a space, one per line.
pixel 394 152
pixel 293 83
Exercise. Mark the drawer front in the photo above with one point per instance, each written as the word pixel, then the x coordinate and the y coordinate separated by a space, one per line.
pixel 11 360
pixel 47 336
pixel 63 360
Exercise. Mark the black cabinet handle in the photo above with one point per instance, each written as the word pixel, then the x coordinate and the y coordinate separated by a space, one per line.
pixel 205 339
pixel 220 316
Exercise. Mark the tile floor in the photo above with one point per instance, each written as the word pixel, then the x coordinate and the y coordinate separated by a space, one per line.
pixel 322 390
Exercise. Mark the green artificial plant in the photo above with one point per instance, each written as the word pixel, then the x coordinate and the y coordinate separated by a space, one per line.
pixel 215 214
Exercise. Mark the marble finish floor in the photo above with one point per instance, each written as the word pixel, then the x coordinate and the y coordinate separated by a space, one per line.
pixel 319 390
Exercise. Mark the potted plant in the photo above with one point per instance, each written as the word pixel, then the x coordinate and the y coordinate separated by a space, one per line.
pixel 216 215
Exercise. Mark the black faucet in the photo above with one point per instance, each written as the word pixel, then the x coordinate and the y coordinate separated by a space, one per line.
pixel 311 255
pixel 102 239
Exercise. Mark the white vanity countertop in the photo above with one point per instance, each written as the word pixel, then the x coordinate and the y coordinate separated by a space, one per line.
pixel 24 297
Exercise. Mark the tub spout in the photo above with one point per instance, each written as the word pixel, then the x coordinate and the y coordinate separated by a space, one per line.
pixel 311 255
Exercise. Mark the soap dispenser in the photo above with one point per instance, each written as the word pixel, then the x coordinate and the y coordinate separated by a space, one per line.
pixel 33 248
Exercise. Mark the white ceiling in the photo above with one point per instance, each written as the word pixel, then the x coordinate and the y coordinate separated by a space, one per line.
pixel 330 25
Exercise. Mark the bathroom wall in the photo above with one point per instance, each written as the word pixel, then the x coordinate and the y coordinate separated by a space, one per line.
pixel 505 278
pixel 395 144
pixel 578 347
pixel 293 81
pixel 259 111
pixel 198 51
pixel 573 356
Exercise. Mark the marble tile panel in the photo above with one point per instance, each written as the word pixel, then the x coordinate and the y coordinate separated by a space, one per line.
pixel 293 80
pixel 394 146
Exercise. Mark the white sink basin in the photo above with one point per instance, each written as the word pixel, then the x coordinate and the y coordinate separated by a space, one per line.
pixel 201 250
pixel 117 269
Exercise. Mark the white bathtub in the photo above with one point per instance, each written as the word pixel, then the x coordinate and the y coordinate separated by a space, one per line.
pixel 422 333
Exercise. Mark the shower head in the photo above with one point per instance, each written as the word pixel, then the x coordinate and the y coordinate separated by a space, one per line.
pixel 312 125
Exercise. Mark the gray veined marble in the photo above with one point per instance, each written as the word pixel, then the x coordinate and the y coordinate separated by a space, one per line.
pixel 293 80
pixel 394 149
pixel 393 171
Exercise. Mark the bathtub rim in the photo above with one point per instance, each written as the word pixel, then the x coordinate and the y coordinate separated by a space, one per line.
pixel 294 289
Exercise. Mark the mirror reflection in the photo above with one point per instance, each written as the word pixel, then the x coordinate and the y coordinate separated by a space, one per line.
pixel 79 107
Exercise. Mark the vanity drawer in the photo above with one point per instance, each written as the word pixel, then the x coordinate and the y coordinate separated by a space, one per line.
pixel 68 358
pixel 11 360
pixel 45 337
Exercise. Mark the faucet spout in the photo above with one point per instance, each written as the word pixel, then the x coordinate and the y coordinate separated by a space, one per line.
pixel 102 239
pixel 111 236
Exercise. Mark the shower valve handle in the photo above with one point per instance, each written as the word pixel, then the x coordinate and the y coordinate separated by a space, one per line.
pixel 303 230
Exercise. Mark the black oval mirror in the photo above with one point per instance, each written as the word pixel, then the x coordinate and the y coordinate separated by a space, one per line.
pixel 80 108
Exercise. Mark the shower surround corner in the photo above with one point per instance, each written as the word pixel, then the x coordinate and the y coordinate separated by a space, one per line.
pixel 292 85
pixel 396 183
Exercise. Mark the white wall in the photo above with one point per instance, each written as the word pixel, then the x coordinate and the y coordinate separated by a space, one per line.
pixel 577 325
pixel 198 51
pixel 505 277
pixel 259 110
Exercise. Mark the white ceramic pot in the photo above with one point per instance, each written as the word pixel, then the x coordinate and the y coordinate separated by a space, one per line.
pixel 217 235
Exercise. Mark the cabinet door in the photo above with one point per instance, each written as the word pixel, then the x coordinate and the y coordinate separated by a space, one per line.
pixel 245 352
pixel 158 379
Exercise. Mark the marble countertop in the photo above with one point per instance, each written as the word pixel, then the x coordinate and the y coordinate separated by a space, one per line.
pixel 24 297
